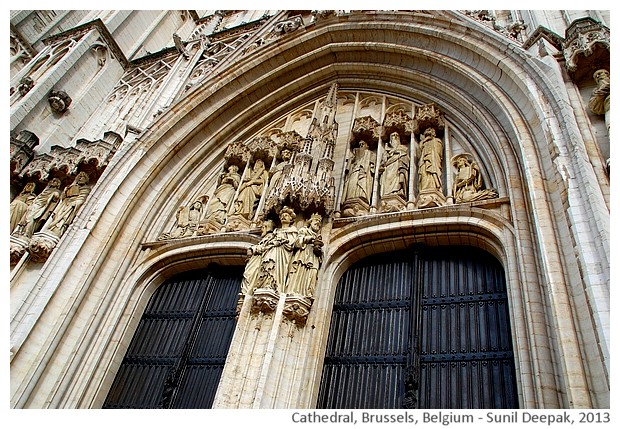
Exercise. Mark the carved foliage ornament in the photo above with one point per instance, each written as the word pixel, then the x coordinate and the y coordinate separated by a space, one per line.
pixel 59 101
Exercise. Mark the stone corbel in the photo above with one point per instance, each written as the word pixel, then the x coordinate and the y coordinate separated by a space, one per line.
pixel 41 245
pixel 59 101
pixel 264 301
pixel 25 85
pixel 296 309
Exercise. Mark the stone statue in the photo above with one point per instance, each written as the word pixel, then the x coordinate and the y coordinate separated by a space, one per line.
pixel 278 252
pixel 395 168
pixel 20 204
pixel 72 199
pixel 255 256
pixel 468 185
pixel 358 185
pixel 430 156
pixel 251 190
pixel 600 98
pixel 39 211
pixel 306 259
pixel 187 220
pixel 276 176
pixel 224 193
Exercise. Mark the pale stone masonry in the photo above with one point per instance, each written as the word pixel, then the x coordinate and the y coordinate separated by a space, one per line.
pixel 163 102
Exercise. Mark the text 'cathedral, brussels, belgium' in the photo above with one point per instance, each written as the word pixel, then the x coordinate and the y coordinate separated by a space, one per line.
pixel 321 209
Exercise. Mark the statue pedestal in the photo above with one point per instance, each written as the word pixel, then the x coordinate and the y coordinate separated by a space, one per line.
pixel 41 245
pixel 392 203
pixel 237 222
pixel 355 207
pixel 297 308
pixel 432 198
pixel 18 248
pixel 265 301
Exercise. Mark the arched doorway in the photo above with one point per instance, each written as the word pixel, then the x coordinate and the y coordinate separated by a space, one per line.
pixel 177 354
pixel 423 328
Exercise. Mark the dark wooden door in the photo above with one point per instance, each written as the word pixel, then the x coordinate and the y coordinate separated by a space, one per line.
pixel 422 328
pixel 177 354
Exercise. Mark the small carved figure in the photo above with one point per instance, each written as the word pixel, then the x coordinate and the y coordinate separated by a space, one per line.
pixel 73 197
pixel 468 185
pixel 187 220
pixel 306 259
pixel 219 205
pixel 251 190
pixel 430 155
pixel 20 204
pixel 395 168
pixel 255 256
pixel 39 211
pixel 278 252
pixel 358 184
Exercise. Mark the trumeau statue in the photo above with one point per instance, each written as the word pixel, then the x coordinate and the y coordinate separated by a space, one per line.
pixel 39 211
pixel 468 184
pixel 251 190
pixel 73 197
pixel 358 185
pixel 395 168
pixel 277 253
pixel 306 259
pixel 20 204
pixel 255 257
pixel 430 156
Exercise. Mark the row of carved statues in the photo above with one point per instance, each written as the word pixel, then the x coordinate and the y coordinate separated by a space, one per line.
pixel 394 176
pixel 50 212
pixel 235 200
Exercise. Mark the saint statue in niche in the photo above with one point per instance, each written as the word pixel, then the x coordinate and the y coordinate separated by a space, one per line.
pixel 358 185
pixel 20 204
pixel 430 155
pixel 468 184
pixel 395 168
pixel 600 99
pixel 224 193
pixel 306 258
pixel 251 190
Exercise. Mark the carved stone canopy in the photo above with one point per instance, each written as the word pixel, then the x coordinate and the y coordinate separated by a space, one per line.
pixel 368 129
pixel 428 116
pixel 399 122
pixel 586 48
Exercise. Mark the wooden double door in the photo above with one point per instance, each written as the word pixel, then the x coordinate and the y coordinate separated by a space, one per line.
pixel 177 354
pixel 428 327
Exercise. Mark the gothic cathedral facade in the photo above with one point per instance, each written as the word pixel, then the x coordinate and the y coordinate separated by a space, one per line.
pixel 310 209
